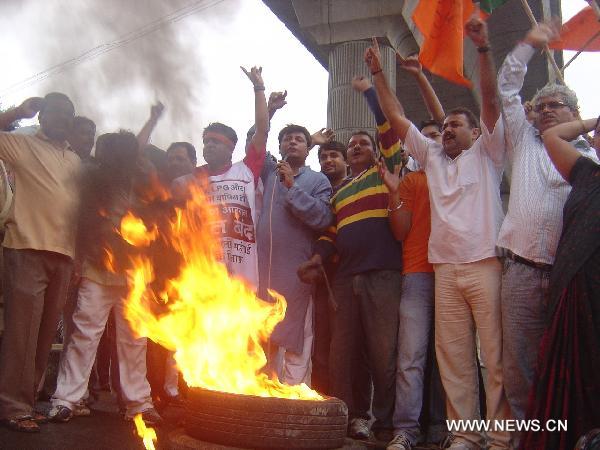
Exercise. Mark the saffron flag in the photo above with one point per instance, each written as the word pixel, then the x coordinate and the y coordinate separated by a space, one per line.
pixel 442 22
pixel 581 32
pixel 489 5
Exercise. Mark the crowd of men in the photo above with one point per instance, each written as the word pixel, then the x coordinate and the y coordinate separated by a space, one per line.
pixel 410 294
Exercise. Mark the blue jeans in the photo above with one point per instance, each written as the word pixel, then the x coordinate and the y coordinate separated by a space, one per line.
pixel 524 309
pixel 414 330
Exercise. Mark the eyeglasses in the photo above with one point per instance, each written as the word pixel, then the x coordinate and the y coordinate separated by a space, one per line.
pixel 550 105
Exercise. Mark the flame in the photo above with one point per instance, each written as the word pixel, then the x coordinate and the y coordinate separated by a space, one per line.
pixel 148 434
pixel 134 231
pixel 215 324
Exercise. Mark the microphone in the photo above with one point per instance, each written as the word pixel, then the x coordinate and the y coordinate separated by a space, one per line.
pixel 281 177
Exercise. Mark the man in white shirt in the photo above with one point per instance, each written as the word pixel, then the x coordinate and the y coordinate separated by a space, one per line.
pixel 533 223
pixel 463 175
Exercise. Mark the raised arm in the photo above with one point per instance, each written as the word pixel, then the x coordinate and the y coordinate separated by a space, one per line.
pixel 261 113
pixel 557 142
pixel 432 102
pixel 143 136
pixel 387 99
pixel 490 106
pixel 512 75
pixel 276 102
pixel 26 110
pixel 321 137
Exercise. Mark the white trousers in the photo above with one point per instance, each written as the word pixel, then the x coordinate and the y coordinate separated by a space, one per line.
pixel 295 368
pixel 94 303
pixel 171 385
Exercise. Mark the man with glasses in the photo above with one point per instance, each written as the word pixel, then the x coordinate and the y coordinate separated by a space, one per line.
pixel 531 229
pixel 38 249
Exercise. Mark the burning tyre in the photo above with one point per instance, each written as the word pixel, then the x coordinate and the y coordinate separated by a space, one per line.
pixel 265 422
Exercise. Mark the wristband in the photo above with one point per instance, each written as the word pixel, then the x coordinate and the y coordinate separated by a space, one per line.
pixel 376 72
pixel 396 208
pixel 259 88
pixel 483 49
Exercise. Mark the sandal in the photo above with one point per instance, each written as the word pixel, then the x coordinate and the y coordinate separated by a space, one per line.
pixel 25 424
pixel 39 417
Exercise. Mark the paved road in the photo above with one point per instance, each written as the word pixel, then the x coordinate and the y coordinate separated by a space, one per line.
pixel 106 429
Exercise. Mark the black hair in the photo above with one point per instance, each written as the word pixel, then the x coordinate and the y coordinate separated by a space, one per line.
pixel 81 120
pixel 55 96
pixel 428 123
pixel 189 148
pixel 333 145
pixel 117 150
pixel 292 128
pixel 366 133
pixel 471 118
pixel 223 129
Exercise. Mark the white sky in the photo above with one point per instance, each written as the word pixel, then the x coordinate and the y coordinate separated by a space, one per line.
pixel 225 36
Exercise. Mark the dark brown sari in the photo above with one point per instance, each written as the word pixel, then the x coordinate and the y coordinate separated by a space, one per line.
pixel 567 383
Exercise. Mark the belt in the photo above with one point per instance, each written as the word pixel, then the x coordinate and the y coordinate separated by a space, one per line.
pixel 527 262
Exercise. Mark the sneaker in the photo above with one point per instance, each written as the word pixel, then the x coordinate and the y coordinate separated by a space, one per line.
pixel 81 409
pixel 400 442
pixel 459 446
pixel 60 413
pixel 447 441
pixel 151 417
pixel 359 429
pixel 175 400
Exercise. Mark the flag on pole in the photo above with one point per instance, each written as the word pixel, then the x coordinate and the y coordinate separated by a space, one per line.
pixel 442 22
pixel 489 5
pixel 580 33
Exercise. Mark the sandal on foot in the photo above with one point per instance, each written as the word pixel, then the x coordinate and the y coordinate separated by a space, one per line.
pixel 39 417
pixel 25 424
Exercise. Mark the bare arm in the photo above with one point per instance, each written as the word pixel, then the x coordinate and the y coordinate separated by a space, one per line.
pixel 387 99
pixel 143 136
pixel 321 137
pixel 276 101
pixel 261 113
pixel 400 220
pixel 490 105
pixel 26 110
pixel 432 102
pixel 557 142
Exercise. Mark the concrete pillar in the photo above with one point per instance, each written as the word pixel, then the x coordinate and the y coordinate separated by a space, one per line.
pixel 347 110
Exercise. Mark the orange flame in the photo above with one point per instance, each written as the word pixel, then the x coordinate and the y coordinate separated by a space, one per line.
pixel 134 231
pixel 148 434
pixel 215 323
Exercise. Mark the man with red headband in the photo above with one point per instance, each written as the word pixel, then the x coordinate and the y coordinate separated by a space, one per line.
pixel 233 186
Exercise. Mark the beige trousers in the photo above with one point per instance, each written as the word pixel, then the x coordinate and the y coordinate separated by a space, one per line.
pixel 467 301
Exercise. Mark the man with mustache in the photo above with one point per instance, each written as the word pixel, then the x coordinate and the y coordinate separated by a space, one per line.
pixel 233 187
pixel 38 247
pixel 367 282
pixel 463 176
pixel 533 223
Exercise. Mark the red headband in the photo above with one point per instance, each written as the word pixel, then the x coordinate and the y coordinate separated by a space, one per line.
pixel 219 137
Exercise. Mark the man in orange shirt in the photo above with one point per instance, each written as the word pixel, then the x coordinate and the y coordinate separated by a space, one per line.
pixel 408 205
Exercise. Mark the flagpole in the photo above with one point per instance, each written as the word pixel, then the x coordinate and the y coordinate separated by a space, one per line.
pixel 595 7
pixel 579 52
pixel 546 49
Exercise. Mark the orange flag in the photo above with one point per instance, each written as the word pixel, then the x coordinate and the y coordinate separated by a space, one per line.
pixel 442 23
pixel 581 32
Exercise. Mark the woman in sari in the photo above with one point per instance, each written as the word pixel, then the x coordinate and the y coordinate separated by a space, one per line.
pixel 567 384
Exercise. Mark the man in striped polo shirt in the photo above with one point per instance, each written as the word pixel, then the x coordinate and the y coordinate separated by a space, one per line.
pixel 368 281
